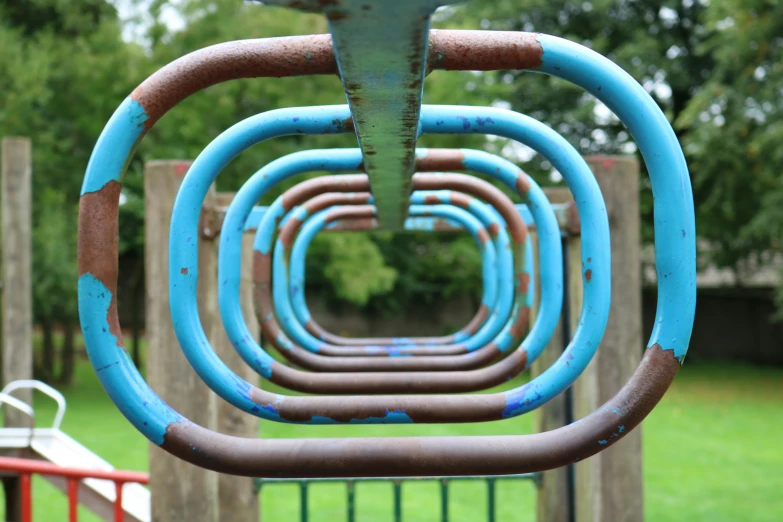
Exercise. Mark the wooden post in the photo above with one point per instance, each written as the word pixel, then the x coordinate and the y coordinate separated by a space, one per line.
pixel 181 492
pixel 553 503
pixel 17 323
pixel 609 485
pixel 238 497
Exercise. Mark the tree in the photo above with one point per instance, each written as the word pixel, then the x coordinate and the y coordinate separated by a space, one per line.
pixel 63 69
pixel 734 124
pixel 713 67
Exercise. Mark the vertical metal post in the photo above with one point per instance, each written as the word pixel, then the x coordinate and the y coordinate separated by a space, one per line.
pixel 351 503
pixel 73 500
pixel 303 501
pixel 397 501
pixel 490 500
pixel 444 500
pixel 119 513
pixel 572 251
pixel 27 498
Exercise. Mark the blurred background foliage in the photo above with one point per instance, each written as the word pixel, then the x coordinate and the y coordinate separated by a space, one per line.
pixel 714 67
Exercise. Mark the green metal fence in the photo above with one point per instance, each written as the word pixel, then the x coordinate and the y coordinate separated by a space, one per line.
pixel 350 487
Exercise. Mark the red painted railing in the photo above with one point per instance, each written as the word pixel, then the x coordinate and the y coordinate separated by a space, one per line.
pixel 25 468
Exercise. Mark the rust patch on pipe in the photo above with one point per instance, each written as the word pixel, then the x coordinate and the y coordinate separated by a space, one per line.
pixel 484 50
pixel 441 159
pixel 288 232
pixel 459 199
pixel 479 188
pixel 588 275
pixel 291 228
pixel 519 327
pixel 439 374
pixel 478 319
pixel 313 187
pixel 523 282
pixel 268 57
pixel 522 184
pixel 573 224
pixel 98 244
pixel 331 199
pixel 359 211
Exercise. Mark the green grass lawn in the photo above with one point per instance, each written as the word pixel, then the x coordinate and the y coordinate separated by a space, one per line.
pixel 713 451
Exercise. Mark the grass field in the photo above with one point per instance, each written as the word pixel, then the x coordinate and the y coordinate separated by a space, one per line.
pixel 713 451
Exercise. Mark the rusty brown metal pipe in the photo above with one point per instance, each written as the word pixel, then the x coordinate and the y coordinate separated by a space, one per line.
pixel 358 357
pixel 272 332
pixel 431 456
pixel 354 183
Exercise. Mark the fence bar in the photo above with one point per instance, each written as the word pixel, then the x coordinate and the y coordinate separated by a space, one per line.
pixel 444 500
pixel 520 476
pixel 27 503
pixel 490 500
pixel 397 501
pixel 25 468
pixel 303 501
pixel 351 500
pixel 397 483
pixel 73 500
pixel 119 514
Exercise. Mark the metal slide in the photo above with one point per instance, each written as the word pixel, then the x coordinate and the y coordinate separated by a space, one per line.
pixel 53 445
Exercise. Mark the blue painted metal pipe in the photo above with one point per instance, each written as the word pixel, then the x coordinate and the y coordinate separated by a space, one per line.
pixel 490 282
pixel 674 234
pixel 550 251
pixel 309 230
pixel 483 356
pixel 435 119
pixel 287 291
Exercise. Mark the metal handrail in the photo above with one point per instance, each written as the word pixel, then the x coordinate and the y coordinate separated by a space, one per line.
pixel 25 468
pixel 43 388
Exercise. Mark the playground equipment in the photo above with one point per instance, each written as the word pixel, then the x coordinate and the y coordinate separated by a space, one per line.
pixel 382 66
pixel 67 464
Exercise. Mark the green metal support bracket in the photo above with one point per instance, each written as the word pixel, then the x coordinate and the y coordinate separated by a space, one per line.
pixel 381 50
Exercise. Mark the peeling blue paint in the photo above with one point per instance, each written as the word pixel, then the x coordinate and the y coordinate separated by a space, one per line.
pixel 118 376
pixel 675 225
pixel 114 148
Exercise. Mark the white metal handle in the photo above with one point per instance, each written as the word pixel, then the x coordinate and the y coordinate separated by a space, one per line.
pixel 18 404
pixel 41 387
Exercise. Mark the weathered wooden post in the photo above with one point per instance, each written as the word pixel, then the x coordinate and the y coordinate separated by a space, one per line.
pixel 17 323
pixel 238 497
pixel 181 492
pixel 555 502
pixel 609 485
